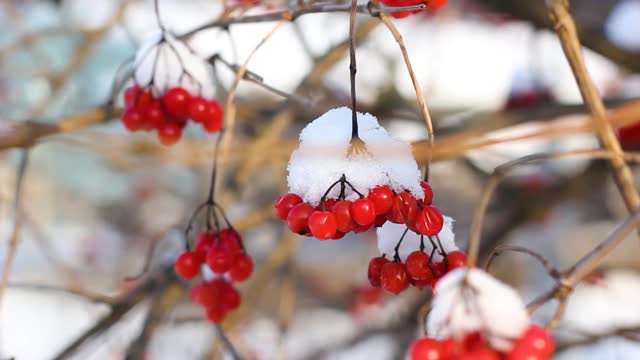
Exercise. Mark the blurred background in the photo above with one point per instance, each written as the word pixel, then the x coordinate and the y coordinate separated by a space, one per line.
pixel 95 201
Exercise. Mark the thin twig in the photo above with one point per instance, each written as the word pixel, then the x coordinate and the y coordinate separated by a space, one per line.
pixel 227 343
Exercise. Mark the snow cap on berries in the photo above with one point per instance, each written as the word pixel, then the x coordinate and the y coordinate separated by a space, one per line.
pixel 390 233
pixel 323 157
pixel 470 300
pixel 171 63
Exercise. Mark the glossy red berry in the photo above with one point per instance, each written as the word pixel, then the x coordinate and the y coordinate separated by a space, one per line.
pixel 153 116
pixel 216 314
pixel 214 118
pixel 231 298
pixel 363 212
pixel 436 4
pixel 219 260
pixel 298 218
pixel 417 265
pixel 428 192
pixel 375 268
pixel 536 341
pixel 144 99
pixel 176 102
pixel 426 349
pixel 242 268
pixel 131 94
pixel 285 203
pixel 323 225
pixel 169 133
pixel 198 109
pixel 394 277
pixel 187 265
pixel 456 259
pixel 342 210
pixel 230 240
pixel 382 197
pixel 204 243
pixel 133 119
pixel 429 221
pixel 408 206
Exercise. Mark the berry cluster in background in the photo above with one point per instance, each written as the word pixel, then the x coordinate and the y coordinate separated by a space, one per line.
pixel 169 113
pixel 224 261
pixel 535 344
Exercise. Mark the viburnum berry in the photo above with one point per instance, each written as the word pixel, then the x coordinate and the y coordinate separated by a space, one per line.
pixel 456 259
pixel 216 313
pixel 428 193
pixel 198 109
pixel 339 235
pixel 153 116
pixel 408 206
pixel 187 265
pixel 231 298
pixel 382 197
pixel 429 221
pixel 342 210
pixel 323 224
pixel 176 102
pixel 285 203
pixel 375 269
pixel 169 133
pixel 363 212
pixel 230 240
pixel 131 95
pixel 132 119
pixel 417 265
pixel 144 99
pixel 436 4
pixel 214 117
pixel 204 243
pixel 195 293
pixel 426 349
pixel 219 260
pixel 535 343
pixel 394 277
pixel 241 268
pixel 298 218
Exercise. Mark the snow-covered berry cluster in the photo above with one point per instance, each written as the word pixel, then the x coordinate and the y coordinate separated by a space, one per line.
pixel 433 4
pixel 475 316
pixel 170 86
pixel 224 255
pixel 415 259
pixel 338 186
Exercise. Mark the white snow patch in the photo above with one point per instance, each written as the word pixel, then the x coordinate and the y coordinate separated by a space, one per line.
pixel 623 25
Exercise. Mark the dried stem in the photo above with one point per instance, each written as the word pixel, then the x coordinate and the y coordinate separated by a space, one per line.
pixel 353 69
pixel 566 29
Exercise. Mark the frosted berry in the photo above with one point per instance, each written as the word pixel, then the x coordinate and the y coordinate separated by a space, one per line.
pixel 169 133
pixel 382 197
pixel 375 268
pixel 363 212
pixel 417 265
pixel 342 210
pixel 176 102
pixel 426 349
pixel 242 268
pixel 219 260
pixel 285 203
pixel 132 119
pixel 429 221
pixel 322 224
pixel 394 277
pixel 187 265
pixel 298 218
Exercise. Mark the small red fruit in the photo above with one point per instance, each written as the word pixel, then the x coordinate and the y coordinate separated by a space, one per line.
pixel 132 119
pixel 176 102
pixel 198 109
pixel 231 240
pixel 231 298
pixel 242 268
pixel 426 349
pixel 214 118
pixel 285 203
pixel 375 268
pixel 535 341
pixel 436 4
pixel 169 133
pixel 429 221
pixel 393 277
pixel 131 94
pixel 428 192
pixel 187 265
pixel 456 259
pixel 363 212
pixel 382 197
pixel 323 224
pixel 204 243
pixel 219 260
pixel 342 211
pixel 153 116
pixel 298 218
pixel 417 265
pixel 216 314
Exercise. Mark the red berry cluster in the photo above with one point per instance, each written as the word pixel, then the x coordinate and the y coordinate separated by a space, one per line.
pixel 535 344
pixel 333 218
pixel 224 254
pixel 418 270
pixel 434 4
pixel 169 113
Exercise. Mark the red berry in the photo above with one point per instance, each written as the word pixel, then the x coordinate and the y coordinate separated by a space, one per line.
pixel 404 209
pixel 285 203
pixel 211 292
pixel 242 268
pixel 339 235
pixel 187 265
pixel 176 102
pixel 535 343
pixel 426 349
pixel 204 243
pixel 195 293
pixel 456 259
pixel 421 284
pixel 298 218
pixel 436 4
pixel 322 224
pixel 380 220
pixel 230 240
pixel 198 108
pixel 342 211
pixel 417 265
pixel 144 99
pixel 375 268
pixel 428 192
pixel 153 116
pixel 219 260
pixel 213 120
pixel 132 119
pixel 429 221
pixel 393 277
pixel 216 314
pixel 131 94
pixel 169 133
pixel 629 136
pixel 326 204
pixel 363 212
pixel 382 197
pixel 231 298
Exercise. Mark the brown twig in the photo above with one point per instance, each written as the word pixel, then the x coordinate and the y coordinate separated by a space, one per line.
pixel 566 29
